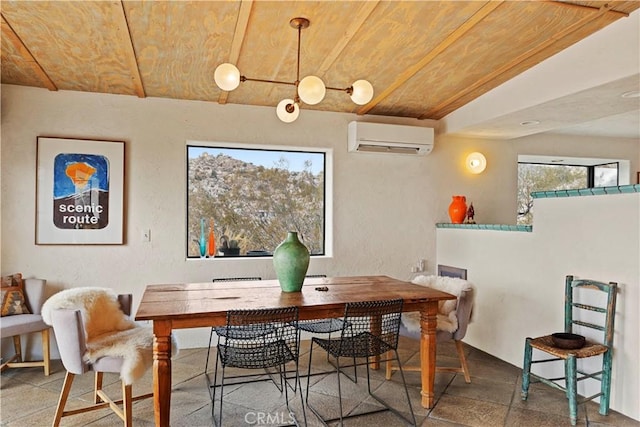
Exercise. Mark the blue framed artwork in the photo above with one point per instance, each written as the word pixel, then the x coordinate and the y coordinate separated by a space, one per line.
pixel 79 187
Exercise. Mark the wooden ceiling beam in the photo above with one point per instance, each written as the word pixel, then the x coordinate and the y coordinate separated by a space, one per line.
pixel 23 51
pixel 451 39
pixel 439 111
pixel 238 38
pixel 123 31
pixel 609 6
pixel 358 20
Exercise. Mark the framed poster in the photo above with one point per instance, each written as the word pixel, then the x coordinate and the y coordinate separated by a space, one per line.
pixel 79 192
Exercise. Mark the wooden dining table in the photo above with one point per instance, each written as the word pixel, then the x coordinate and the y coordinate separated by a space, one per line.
pixel 193 305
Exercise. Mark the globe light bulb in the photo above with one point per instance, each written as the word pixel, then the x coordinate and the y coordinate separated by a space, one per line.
pixel 287 110
pixel 476 163
pixel 227 76
pixel 311 90
pixel 362 92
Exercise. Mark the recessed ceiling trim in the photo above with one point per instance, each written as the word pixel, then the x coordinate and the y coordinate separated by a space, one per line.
pixel 631 94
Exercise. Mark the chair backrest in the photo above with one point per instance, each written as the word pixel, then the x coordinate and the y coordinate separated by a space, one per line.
pixel 607 310
pixel 254 338
pixel 380 319
pixel 35 294
pixel 126 301
pixel 463 313
pixel 70 335
pixel 234 279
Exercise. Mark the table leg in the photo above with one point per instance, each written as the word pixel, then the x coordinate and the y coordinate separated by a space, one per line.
pixel 428 323
pixel 162 372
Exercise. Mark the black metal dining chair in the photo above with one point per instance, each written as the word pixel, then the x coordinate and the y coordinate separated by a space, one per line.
pixel 371 329
pixel 259 339
pixel 219 330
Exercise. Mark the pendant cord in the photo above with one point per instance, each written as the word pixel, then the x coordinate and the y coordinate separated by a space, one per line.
pixel 298 64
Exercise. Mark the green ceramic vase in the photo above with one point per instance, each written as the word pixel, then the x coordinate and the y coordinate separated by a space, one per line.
pixel 291 261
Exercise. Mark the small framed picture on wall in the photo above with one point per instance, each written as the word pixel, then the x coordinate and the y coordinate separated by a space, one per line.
pixel 79 192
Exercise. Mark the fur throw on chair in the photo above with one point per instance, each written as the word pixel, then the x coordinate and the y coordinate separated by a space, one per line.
pixel 447 319
pixel 109 332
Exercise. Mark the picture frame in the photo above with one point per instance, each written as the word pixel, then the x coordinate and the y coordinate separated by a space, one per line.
pixel 79 192
pixel 448 271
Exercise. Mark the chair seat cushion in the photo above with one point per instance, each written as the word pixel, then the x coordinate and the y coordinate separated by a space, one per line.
pixel 21 324
pixel 134 347
pixel 108 364
pixel 545 344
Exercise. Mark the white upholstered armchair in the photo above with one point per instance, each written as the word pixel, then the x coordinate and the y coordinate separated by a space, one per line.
pixel 16 323
pixel 95 334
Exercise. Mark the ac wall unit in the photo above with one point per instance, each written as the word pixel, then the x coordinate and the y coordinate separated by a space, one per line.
pixel 386 138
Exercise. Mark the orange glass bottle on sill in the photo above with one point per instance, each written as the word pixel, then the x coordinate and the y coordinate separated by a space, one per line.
pixel 212 241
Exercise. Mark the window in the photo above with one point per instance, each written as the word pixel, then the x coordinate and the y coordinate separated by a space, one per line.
pixel 558 174
pixel 252 197
pixel 605 175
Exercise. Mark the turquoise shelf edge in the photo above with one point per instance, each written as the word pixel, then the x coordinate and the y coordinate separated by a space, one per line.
pixel 496 227
pixel 598 191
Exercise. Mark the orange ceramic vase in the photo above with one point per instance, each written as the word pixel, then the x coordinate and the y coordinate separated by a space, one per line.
pixel 458 209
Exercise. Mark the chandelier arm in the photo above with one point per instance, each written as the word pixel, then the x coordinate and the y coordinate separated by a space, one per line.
pixel 349 89
pixel 250 79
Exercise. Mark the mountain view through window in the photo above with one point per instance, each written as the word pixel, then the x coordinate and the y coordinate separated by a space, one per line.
pixel 252 198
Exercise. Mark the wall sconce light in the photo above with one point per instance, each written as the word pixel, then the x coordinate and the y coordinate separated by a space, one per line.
pixel 476 162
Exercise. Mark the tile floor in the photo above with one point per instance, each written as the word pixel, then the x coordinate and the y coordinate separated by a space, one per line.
pixel 28 398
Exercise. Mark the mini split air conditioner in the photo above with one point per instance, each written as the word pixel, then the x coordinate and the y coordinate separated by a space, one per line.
pixel 386 138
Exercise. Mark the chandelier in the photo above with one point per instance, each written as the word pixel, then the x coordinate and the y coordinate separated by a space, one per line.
pixel 310 90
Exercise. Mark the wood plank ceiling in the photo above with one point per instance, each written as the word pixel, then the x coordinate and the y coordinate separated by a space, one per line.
pixel 425 59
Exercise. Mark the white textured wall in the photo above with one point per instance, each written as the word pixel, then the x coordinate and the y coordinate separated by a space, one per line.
pixel 520 279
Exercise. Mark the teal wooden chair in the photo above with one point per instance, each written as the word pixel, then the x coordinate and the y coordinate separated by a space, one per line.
pixel 604 348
